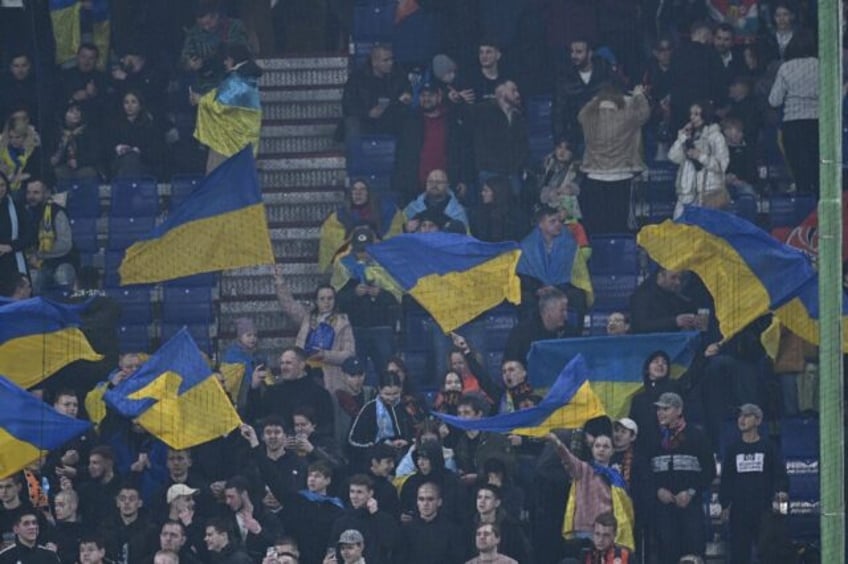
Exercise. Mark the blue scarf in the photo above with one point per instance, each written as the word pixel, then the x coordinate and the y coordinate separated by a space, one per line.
pixel 321 498
pixel 612 476
pixel 554 268
pixel 320 338
pixel 385 422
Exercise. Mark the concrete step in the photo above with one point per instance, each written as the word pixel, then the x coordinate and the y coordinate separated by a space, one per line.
pixel 309 110
pixel 281 139
pixel 312 178
pixel 303 63
pixel 299 96
pixel 298 78
pixel 299 214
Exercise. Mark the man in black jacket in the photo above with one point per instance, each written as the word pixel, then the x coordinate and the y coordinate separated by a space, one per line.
pixel 576 84
pixel 697 73
pixel 657 305
pixel 254 526
pixel 364 515
pixel 221 545
pixel 682 468
pixel 25 550
pixel 430 537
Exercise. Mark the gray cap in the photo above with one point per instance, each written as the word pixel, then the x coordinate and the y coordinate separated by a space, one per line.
pixel 751 409
pixel 669 399
pixel 351 536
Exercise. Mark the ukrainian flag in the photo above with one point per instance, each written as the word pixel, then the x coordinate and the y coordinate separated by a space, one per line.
pixel 176 397
pixel 568 405
pixel 65 17
pixel 335 231
pixel 614 363
pixel 29 427
pixel 38 337
pixel 747 271
pixel 454 277
pixel 221 225
pixel 622 508
pixel 565 262
pixel 229 117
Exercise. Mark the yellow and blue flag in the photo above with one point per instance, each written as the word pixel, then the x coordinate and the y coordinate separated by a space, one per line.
pixel 335 231
pixel 29 427
pixel 229 118
pixel 622 507
pixel 614 363
pixel 38 337
pixel 176 397
pixel 65 17
pixel 569 403
pixel 748 272
pixel 221 225
pixel 454 277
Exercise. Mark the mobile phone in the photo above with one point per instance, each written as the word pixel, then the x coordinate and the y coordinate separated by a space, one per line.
pixel 271 552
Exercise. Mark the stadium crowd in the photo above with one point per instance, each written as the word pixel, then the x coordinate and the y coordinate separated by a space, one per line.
pixel 340 458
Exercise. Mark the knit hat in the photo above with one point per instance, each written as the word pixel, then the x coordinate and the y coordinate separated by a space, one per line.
pixel 669 399
pixel 351 536
pixel 442 66
pixel 244 325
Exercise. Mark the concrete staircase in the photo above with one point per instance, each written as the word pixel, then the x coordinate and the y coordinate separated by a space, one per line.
pixel 302 174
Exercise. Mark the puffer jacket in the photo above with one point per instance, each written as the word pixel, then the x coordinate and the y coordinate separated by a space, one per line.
pixel 691 183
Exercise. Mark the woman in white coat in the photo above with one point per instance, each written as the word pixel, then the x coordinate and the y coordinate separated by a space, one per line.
pixel 701 152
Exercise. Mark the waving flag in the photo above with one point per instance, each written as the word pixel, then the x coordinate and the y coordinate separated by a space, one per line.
pixel 568 405
pixel 454 277
pixel 176 397
pixel 229 118
pixel 38 337
pixel 30 427
pixel 747 272
pixel 614 363
pixel 221 225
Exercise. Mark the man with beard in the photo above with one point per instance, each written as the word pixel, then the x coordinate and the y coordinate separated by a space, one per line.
pixel 576 85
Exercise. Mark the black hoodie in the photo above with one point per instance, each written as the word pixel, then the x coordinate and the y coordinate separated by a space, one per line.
pixel 642 409
pixel 453 493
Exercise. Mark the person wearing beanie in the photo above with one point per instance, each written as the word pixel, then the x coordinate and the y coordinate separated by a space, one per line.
pixel 244 351
pixel 656 375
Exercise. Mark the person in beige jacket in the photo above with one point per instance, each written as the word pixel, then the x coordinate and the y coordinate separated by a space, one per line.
pixel 325 334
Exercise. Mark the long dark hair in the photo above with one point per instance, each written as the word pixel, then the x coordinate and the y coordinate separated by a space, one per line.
pixel 801 46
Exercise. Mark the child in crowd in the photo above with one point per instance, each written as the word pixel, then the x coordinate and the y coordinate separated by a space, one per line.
pixel 244 351
pixel 559 181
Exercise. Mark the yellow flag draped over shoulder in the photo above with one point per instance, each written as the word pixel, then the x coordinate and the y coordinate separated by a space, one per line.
pixel 229 118
pixel 454 277
pixel 176 397
pixel 221 225
pixel 38 337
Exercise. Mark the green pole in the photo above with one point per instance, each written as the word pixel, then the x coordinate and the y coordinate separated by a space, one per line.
pixel 832 446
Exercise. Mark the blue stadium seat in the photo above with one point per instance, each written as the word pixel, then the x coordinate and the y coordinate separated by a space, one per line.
pixel 494 360
pixel 137 197
pixel 499 324
pixel 83 198
pixel 614 254
pixel 539 110
pixel 598 322
pixel 135 304
pixel 124 231
pixel 84 234
pixel 187 306
pixel 799 437
pixel 789 211
pixel 417 365
pixel 745 206
pixel 181 186
pixel 205 280
pixel 371 155
pixel 541 145
pixel 374 20
pixel 133 338
pixel 417 337
pixel 361 50
pixel 200 334
pixel 660 195
pixel 613 291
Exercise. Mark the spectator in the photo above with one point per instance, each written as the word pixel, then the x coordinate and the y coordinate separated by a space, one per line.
pixel 618 323
pixel 474 448
pixel 92 550
pixel 430 536
pixel 656 378
pixel 15 286
pixel 437 198
pixel 576 84
pixel 18 88
pixel 364 514
pixel 501 145
pixel 68 529
pixel 20 153
pixel 255 526
pixel 797 92
pixel 560 181
pixel 245 351
pixel 612 125
pixel 549 322
pixel 375 96
pixel 683 468
pixel 77 152
pixel 495 218
pixel 132 534
pixel 430 138
pixel 351 396
pixel 363 207
pixel 696 74
pixel 351 547
pixel 551 259
pixel 381 465
pixel 135 72
pixel 753 478
pixel 742 106
pixel 229 118
pixel 12 503
pixel 486 76
pixel 205 41
pixel 325 335
pixel 741 167
pixel 658 306
pixel 221 546
pixel 26 548
pixel 430 466
pixel 97 494
pixel 604 548
pixel 314 447
pixel 430 431
pixel 775 39
pixel 382 420
pixel 701 153
pixel 279 453
pixel 16 233
pixel 724 42
pixel 135 140
pixel 292 389
pixel 512 545
pixel 55 257
pixel 591 493
pixel 84 84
